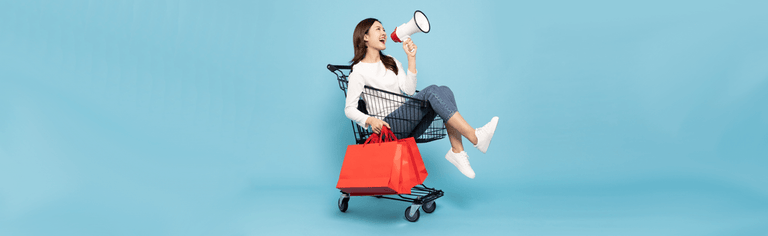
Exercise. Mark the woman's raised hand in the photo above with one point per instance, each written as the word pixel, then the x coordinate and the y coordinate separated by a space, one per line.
pixel 376 124
pixel 409 47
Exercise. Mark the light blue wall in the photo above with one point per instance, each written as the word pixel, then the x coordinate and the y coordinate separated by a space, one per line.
pixel 152 106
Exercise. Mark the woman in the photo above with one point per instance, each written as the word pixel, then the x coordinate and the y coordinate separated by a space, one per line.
pixel 372 68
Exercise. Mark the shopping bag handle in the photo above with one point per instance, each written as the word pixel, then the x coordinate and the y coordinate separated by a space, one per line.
pixel 374 138
pixel 388 135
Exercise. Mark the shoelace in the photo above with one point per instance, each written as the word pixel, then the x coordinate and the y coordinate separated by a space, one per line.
pixel 484 129
pixel 464 160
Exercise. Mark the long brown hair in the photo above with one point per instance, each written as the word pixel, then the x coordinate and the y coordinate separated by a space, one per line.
pixel 360 49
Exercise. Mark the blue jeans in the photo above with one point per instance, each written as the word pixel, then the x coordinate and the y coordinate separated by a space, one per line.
pixel 412 118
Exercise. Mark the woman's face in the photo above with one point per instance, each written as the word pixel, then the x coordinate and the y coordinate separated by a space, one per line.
pixel 376 37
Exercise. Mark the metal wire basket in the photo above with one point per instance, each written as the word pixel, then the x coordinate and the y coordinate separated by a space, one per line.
pixel 386 102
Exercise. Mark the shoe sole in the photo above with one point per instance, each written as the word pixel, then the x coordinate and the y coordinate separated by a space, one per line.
pixel 495 122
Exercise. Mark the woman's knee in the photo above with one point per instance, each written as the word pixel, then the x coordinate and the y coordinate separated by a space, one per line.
pixel 436 88
pixel 439 91
pixel 446 89
pixel 430 88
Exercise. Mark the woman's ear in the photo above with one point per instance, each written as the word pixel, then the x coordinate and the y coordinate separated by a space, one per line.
pixel 365 38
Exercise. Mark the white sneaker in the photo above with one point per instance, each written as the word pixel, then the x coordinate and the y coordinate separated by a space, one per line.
pixel 485 134
pixel 461 161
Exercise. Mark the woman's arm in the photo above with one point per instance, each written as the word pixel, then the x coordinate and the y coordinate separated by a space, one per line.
pixel 410 50
pixel 407 80
pixel 355 88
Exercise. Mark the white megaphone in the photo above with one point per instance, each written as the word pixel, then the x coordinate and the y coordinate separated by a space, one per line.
pixel 419 23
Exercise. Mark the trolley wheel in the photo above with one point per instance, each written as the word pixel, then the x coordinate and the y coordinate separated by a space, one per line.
pixel 429 207
pixel 408 216
pixel 343 204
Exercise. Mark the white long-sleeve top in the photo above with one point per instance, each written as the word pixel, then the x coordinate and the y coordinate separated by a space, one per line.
pixel 377 76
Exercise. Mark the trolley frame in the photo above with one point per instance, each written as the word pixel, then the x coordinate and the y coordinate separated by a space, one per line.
pixel 421 196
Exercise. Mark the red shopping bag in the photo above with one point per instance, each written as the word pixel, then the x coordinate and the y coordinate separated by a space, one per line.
pixel 413 172
pixel 379 168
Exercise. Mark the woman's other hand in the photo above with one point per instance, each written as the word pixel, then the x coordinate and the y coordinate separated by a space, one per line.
pixel 410 48
pixel 376 124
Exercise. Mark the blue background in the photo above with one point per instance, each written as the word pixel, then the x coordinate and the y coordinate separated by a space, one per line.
pixel 219 117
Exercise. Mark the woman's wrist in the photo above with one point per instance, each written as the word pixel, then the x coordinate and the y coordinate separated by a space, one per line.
pixel 412 64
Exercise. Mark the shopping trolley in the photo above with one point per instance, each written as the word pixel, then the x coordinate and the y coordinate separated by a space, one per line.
pixel 421 196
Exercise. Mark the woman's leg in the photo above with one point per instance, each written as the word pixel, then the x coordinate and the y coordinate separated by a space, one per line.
pixel 442 100
pixel 455 137
pixel 480 137
pixel 410 120
pixel 458 124
pixel 443 103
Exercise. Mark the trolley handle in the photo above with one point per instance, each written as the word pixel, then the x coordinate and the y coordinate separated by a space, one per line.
pixel 333 68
